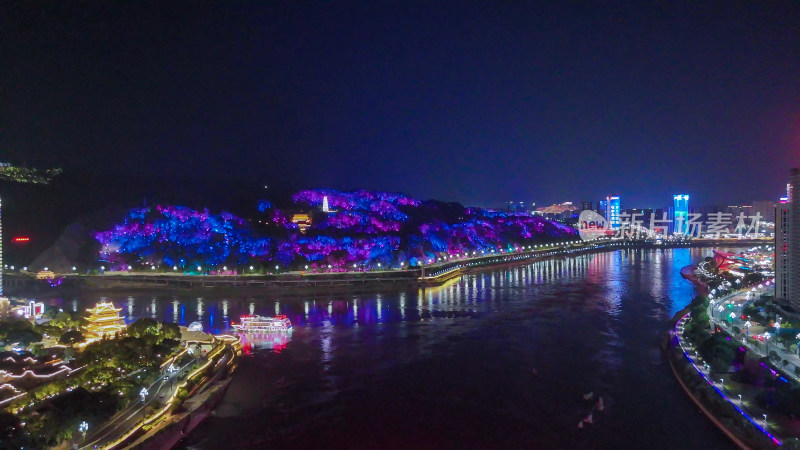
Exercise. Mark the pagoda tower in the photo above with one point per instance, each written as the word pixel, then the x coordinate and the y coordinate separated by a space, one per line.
pixel 104 320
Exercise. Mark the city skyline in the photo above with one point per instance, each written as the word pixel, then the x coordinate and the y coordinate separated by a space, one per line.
pixel 303 224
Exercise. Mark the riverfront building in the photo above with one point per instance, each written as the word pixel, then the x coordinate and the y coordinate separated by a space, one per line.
pixel 679 214
pixel 612 211
pixel 787 245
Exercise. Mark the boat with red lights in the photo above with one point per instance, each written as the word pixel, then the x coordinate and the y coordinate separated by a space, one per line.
pixel 252 323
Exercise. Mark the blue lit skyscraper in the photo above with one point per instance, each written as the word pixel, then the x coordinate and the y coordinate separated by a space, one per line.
pixel 680 213
pixel 612 211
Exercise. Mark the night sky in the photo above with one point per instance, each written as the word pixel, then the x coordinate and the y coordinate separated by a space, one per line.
pixel 478 102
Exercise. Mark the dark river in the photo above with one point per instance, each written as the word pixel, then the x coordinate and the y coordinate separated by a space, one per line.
pixel 453 367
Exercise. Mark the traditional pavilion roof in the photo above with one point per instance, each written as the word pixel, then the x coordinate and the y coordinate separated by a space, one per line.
pixel 103 308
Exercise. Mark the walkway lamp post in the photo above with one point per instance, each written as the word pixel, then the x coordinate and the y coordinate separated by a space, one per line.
pixel 83 428
pixel 143 395
pixel 172 369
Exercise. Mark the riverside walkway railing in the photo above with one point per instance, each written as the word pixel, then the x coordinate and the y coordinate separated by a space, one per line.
pixel 706 375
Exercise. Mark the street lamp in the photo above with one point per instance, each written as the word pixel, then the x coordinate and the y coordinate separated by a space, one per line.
pixel 143 395
pixel 171 369
pixel 83 428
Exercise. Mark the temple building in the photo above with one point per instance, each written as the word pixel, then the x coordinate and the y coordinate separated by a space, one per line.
pixel 104 320
pixel 303 221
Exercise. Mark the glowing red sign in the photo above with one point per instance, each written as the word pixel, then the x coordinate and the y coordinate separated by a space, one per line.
pixel 22 239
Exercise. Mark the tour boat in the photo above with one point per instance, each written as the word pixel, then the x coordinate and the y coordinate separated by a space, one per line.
pixel 252 323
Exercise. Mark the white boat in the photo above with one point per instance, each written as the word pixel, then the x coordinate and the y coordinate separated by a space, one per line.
pixel 252 323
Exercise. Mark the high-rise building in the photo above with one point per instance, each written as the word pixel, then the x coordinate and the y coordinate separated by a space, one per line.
pixel 679 213
pixel 612 211
pixel 787 246
pixel 765 209
pixel 586 206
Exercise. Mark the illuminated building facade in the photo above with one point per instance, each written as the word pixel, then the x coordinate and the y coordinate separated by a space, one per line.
pixel 104 320
pixel 303 221
pixel 602 207
pixel 612 211
pixel 679 214
pixel 787 246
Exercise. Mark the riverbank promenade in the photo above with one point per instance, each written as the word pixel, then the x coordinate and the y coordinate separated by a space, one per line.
pixel 736 397
pixel 436 272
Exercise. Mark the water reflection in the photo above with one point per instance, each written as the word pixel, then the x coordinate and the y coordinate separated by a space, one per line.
pixel 264 341
pixel 588 322
pixel 175 309
pixel 607 273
